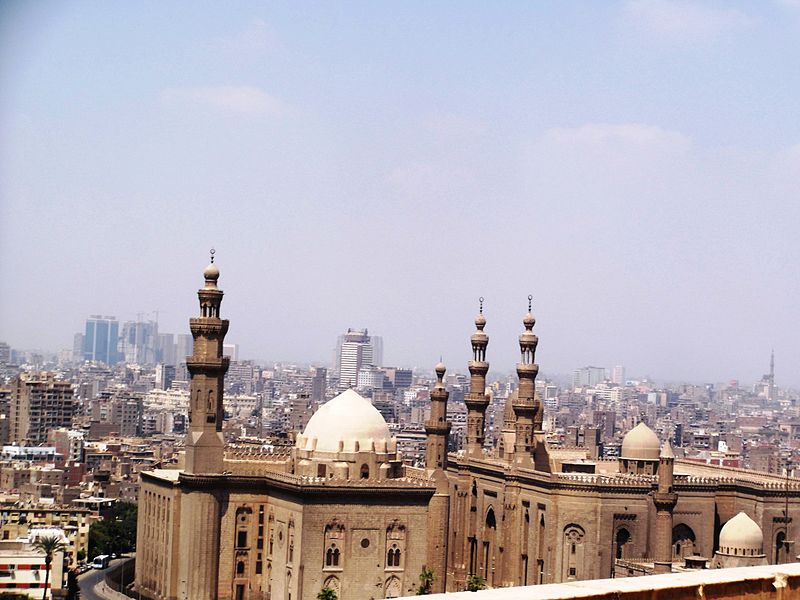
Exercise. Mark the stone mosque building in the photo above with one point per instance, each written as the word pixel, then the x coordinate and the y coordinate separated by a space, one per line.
pixel 341 510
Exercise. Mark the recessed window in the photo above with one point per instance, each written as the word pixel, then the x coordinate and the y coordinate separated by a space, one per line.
pixel 365 543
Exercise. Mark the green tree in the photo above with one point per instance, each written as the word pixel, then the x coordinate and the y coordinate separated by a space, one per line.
pixel 426 578
pixel 327 593
pixel 49 545
pixel 115 534
pixel 475 583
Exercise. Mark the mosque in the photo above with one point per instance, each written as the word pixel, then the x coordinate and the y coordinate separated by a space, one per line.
pixel 341 510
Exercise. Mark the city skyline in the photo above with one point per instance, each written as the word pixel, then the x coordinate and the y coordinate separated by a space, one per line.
pixel 633 165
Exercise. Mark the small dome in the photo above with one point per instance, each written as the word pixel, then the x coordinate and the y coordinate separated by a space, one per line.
pixel 345 421
pixel 741 533
pixel 480 322
pixel 211 272
pixel 640 443
pixel 529 321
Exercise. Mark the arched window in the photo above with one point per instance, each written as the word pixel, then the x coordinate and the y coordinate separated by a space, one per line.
pixel 393 556
pixel 332 556
pixel 240 567
pixel 364 471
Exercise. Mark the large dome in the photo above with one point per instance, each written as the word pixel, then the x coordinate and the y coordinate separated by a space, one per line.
pixel 641 443
pixel 343 421
pixel 741 533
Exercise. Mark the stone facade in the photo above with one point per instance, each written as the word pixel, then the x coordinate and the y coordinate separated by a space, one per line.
pixel 340 510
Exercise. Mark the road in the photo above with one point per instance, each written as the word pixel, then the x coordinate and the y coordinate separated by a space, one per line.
pixel 91 578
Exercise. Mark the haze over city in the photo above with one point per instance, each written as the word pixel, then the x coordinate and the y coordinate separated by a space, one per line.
pixel 632 165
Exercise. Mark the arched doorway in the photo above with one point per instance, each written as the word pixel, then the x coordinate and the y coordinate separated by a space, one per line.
pixel 621 540
pixel 683 541
pixel 780 548
pixel 489 537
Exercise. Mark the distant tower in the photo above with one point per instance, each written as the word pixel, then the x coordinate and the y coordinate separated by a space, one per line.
pixel 772 389
pixel 665 500
pixel 437 428
pixel 525 407
pixel 355 352
pixel 204 442
pixel 477 400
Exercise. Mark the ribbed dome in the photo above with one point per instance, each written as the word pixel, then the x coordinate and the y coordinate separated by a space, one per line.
pixel 641 443
pixel 348 418
pixel 741 533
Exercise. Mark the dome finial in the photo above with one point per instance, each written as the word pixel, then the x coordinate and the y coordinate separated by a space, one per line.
pixel 211 272
pixel 529 321
pixel 440 371
pixel 480 320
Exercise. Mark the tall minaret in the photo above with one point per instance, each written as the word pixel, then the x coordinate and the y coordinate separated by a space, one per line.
pixel 665 500
pixel 437 428
pixel 476 400
pixel 204 442
pixel 772 389
pixel 525 407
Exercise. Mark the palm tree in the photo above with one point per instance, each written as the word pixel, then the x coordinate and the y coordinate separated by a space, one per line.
pixel 426 578
pixel 326 593
pixel 49 545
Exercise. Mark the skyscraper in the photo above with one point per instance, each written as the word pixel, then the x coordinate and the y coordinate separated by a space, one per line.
pixel 139 342
pixel 355 352
pixel 100 340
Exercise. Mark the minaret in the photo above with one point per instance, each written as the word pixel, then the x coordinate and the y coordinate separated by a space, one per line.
pixel 772 388
pixel 665 500
pixel 477 400
pixel 201 498
pixel 204 442
pixel 437 428
pixel 525 407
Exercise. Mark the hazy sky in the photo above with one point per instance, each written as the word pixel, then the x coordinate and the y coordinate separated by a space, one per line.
pixel 633 165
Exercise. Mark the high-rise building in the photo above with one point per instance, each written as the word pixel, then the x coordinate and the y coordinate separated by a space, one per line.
pixel 165 375
pixel 101 339
pixel 77 348
pixel 355 352
pixel 5 353
pixel 618 375
pixel 39 403
pixel 166 349
pixel 588 376
pixel 139 342
pixel 377 350
pixel 184 345
pixel 319 383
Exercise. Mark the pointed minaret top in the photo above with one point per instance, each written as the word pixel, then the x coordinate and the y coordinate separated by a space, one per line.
pixel 211 272
pixel 666 450
pixel 529 320
pixel 480 320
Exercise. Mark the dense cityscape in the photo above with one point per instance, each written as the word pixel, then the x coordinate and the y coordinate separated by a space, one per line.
pixel 510 300
pixel 79 428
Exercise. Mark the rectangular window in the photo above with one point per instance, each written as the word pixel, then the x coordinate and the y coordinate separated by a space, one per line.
pixel 240 592
pixel 241 539
pixel 572 571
